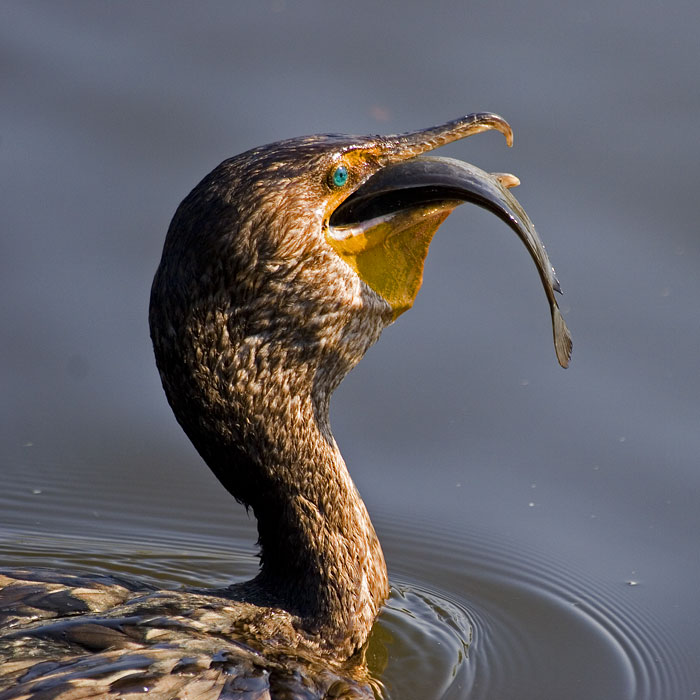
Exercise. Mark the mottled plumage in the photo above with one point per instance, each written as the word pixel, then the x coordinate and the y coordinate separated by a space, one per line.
pixel 69 637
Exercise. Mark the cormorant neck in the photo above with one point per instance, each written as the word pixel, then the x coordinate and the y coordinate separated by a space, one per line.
pixel 319 551
pixel 320 556
pixel 255 404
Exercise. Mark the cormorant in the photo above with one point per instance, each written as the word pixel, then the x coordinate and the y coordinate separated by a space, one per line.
pixel 279 270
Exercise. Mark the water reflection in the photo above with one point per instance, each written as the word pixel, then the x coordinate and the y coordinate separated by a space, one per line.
pixel 423 640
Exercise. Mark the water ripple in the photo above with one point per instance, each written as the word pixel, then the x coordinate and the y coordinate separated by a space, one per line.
pixel 469 615
pixel 422 643
pixel 536 627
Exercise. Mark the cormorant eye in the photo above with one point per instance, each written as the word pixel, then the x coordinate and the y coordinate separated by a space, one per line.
pixel 339 176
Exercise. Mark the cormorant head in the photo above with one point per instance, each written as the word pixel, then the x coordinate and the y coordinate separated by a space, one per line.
pixel 309 239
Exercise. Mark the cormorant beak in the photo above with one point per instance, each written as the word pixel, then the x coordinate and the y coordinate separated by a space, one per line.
pixel 384 228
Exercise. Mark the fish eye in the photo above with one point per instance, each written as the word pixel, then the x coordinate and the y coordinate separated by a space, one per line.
pixel 339 176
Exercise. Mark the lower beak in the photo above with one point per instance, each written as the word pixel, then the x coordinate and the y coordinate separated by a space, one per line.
pixel 384 228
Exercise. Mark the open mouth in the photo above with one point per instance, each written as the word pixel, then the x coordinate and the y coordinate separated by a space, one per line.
pixel 428 181
pixel 368 205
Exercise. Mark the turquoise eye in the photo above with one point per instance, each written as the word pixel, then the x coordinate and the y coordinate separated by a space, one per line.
pixel 339 176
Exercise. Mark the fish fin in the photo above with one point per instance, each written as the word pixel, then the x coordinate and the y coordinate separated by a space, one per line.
pixel 562 338
pixel 507 180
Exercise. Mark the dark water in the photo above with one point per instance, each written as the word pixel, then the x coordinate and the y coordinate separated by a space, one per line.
pixel 541 526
